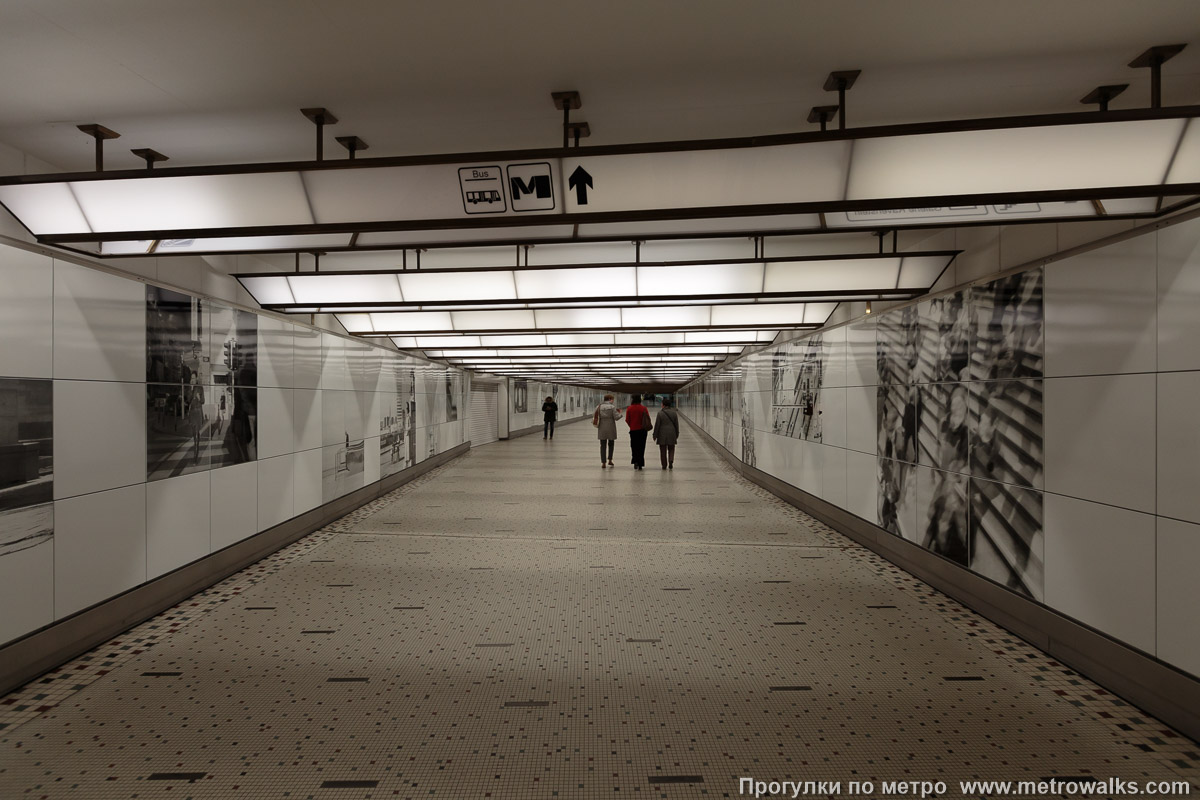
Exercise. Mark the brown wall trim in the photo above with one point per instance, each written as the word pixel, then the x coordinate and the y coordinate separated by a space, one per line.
pixel 1154 686
pixel 56 644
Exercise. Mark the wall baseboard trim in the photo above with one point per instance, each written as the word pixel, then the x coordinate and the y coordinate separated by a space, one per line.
pixel 48 648
pixel 538 428
pixel 1157 688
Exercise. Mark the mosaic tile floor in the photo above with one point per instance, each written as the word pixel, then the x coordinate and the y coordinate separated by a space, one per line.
pixel 523 624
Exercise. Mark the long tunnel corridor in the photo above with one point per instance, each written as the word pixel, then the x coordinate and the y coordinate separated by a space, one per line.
pixel 522 623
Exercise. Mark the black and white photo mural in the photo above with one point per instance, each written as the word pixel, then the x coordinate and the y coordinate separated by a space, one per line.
pixel 958 420
pixel 796 380
pixel 453 393
pixel 960 395
pixel 201 384
pixel 520 396
pixel 397 420
pixel 26 464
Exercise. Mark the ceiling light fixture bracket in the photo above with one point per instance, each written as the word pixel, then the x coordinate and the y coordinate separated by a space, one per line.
pixel 1101 95
pixel 99 133
pixel 1153 59
pixel 839 82
pixel 564 102
pixel 353 144
pixel 320 117
pixel 151 157
pixel 822 115
pixel 579 130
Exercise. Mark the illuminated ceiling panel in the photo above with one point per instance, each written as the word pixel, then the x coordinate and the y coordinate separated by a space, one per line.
pixel 953 172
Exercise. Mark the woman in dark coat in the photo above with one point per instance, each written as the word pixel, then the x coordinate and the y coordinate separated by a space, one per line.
pixel 549 415
pixel 666 433
pixel 637 417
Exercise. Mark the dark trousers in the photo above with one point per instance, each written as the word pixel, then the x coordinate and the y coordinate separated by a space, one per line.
pixel 637 443
pixel 667 453
pixel 548 428
pixel 611 443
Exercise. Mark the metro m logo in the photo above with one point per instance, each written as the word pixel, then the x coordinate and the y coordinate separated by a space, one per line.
pixel 531 186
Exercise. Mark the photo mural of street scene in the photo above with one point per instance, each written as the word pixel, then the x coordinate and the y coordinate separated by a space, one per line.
pixel 26 464
pixel 398 421
pixel 201 384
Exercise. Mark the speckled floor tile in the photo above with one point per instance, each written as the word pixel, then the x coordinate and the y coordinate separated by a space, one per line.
pixel 522 624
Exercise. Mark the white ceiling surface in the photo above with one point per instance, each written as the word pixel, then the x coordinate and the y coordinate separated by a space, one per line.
pixel 221 81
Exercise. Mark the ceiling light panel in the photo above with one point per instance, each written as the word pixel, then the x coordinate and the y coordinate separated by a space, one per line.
pixel 344 288
pixel 413 321
pixel 493 320
pixel 515 340
pixel 844 274
pixel 577 282
pixel 45 207
pixel 550 318
pixel 1014 160
pixel 759 314
pixel 194 201
pixel 699 279
pixel 428 287
pixel 554 339
pixel 665 317
pixel 269 290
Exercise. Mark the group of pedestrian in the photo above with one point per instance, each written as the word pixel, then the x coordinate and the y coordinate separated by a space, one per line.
pixel 665 428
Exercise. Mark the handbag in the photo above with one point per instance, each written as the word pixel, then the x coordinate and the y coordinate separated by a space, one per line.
pixel 647 425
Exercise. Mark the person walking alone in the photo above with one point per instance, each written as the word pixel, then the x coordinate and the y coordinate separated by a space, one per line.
pixel 666 433
pixel 549 415
pixel 605 419
pixel 637 417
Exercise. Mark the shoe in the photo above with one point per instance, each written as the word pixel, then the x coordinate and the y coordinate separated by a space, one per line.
pixel 670 466
pixel 611 464
pixel 664 467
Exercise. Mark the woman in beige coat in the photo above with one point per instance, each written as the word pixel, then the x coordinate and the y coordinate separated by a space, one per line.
pixel 605 419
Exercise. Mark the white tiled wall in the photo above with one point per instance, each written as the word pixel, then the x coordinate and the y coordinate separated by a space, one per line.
pixel 99 547
pixel 177 522
pixel 1118 544
pixel 86 329
pixel 99 325
pixel 26 310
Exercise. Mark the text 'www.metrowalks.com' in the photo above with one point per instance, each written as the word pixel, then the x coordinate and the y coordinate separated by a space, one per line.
pixel 1048 787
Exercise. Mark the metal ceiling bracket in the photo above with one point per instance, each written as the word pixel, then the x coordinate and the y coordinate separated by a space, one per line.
pixel 839 82
pixel 99 133
pixel 320 117
pixel 353 144
pixel 579 130
pixel 822 114
pixel 565 101
pixel 1153 59
pixel 151 156
pixel 1101 95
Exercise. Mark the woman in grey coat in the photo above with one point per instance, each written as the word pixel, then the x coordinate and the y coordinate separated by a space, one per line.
pixel 666 433
pixel 605 420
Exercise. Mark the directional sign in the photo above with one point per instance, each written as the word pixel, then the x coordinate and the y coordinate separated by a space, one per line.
pixel 482 189
pixel 580 181
pixel 531 186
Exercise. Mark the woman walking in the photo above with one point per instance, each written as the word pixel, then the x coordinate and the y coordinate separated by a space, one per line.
pixel 666 433
pixel 637 417
pixel 605 419
pixel 549 415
